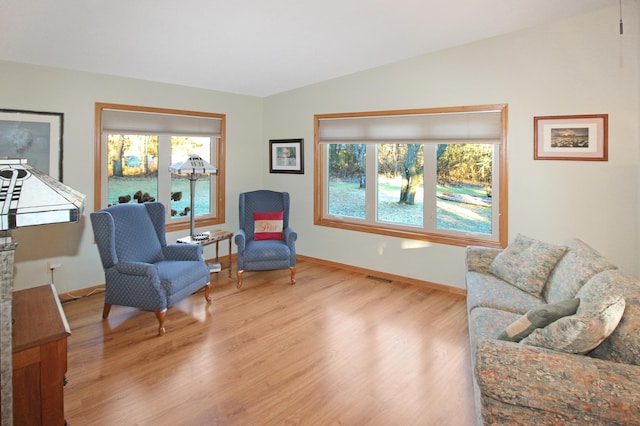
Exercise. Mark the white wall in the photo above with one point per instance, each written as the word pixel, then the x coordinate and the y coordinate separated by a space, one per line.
pixel 75 94
pixel 576 66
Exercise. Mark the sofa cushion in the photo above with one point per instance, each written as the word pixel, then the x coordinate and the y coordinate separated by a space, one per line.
pixel 582 332
pixel 538 317
pixel 489 291
pixel 624 343
pixel 486 324
pixel 527 263
pixel 579 263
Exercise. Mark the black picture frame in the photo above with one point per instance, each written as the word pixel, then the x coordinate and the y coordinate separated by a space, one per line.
pixel 286 156
pixel 34 135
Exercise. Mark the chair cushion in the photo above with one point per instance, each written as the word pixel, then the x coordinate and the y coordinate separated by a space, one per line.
pixel 266 255
pixel 135 236
pixel 178 275
pixel 268 225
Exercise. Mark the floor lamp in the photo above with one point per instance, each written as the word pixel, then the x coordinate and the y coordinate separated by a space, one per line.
pixel 28 197
pixel 194 166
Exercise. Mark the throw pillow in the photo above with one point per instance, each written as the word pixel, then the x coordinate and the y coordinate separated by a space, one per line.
pixel 538 317
pixel 582 332
pixel 268 225
pixel 526 263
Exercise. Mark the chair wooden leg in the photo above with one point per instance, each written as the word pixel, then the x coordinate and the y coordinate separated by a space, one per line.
pixel 106 310
pixel 293 274
pixel 239 274
pixel 161 315
pixel 207 288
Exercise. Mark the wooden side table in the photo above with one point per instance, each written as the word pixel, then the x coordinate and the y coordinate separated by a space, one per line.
pixel 210 237
pixel 40 336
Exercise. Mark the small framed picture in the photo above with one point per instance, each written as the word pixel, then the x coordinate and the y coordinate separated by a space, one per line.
pixel 36 136
pixel 286 156
pixel 571 137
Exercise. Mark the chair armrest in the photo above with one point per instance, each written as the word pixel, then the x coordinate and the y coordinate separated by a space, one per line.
pixel 136 268
pixel 577 386
pixel 478 259
pixel 149 293
pixel 290 236
pixel 240 239
pixel 180 251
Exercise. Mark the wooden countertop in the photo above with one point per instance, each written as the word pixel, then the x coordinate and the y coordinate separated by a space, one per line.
pixel 38 317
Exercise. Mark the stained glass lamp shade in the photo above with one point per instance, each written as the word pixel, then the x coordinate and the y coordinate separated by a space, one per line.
pixel 28 197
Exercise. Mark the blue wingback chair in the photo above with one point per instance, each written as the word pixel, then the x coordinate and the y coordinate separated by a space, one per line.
pixel 269 254
pixel 140 269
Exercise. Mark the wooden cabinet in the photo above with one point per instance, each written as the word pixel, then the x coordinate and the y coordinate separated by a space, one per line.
pixel 40 332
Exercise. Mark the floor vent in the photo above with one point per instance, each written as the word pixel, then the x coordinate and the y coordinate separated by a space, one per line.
pixel 384 280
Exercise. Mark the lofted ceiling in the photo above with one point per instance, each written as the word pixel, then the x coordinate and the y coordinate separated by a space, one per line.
pixel 255 47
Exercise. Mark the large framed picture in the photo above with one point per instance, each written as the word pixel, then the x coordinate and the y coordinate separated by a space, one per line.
pixel 36 136
pixel 571 137
pixel 286 156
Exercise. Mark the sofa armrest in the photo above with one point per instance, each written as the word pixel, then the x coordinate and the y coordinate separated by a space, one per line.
pixel 478 259
pixel 574 386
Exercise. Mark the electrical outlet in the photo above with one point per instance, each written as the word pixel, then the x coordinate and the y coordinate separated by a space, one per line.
pixel 53 266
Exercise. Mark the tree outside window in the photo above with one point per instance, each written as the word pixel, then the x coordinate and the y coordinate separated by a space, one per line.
pixel 439 188
pixel 138 144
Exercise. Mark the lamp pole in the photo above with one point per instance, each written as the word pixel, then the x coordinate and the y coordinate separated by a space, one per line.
pixel 193 166
pixel 193 177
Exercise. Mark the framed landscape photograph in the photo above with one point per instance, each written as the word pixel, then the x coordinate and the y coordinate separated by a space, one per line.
pixel 286 156
pixel 36 136
pixel 571 137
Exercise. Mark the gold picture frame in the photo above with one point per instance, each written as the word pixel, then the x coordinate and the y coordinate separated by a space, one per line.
pixel 571 137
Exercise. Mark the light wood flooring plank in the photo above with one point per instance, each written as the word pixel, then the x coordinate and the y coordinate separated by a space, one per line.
pixel 336 348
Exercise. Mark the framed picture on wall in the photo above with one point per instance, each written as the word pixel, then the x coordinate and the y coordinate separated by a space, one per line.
pixel 571 137
pixel 286 156
pixel 36 136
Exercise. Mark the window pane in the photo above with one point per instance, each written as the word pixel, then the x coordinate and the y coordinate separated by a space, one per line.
pixel 347 180
pixel 181 148
pixel 400 184
pixel 132 169
pixel 464 188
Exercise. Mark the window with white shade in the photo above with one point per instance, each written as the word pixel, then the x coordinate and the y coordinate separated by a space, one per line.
pixel 135 147
pixel 431 174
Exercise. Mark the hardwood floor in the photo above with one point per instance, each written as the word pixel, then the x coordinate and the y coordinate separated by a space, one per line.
pixel 336 348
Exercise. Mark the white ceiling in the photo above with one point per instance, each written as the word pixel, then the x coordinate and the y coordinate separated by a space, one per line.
pixel 255 47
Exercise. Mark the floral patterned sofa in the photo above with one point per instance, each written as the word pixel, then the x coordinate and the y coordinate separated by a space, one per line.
pixel 539 355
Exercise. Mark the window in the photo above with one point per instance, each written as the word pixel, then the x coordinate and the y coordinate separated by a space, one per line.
pixel 135 147
pixel 431 174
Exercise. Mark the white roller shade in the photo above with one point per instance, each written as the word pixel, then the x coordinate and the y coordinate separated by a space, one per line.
pixel 135 122
pixel 449 128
